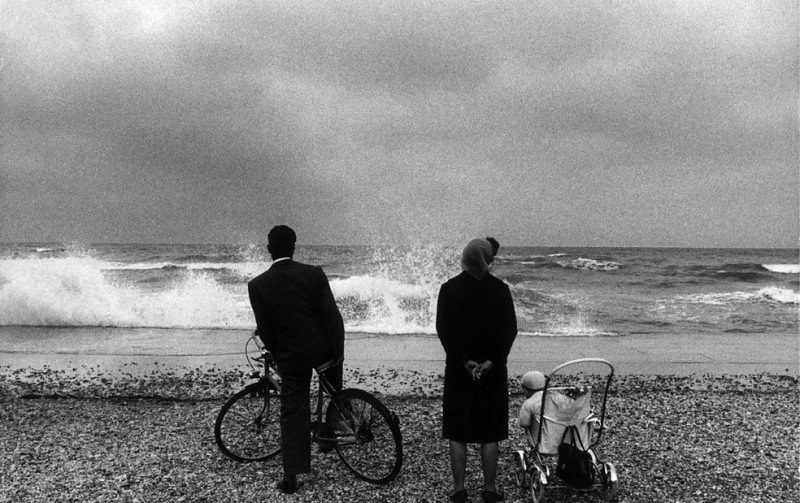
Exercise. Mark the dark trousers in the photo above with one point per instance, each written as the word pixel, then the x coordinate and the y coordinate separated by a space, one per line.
pixel 296 416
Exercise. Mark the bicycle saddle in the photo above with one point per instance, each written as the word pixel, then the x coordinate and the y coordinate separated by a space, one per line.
pixel 330 363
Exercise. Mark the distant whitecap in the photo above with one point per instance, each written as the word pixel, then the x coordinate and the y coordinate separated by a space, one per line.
pixel 783 268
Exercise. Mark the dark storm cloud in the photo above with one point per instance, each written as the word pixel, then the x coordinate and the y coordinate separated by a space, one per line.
pixel 566 123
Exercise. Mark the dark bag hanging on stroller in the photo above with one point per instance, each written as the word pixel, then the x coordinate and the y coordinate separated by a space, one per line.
pixel 574 461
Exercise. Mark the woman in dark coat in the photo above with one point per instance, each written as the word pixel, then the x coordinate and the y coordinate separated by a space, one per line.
pixel 476 323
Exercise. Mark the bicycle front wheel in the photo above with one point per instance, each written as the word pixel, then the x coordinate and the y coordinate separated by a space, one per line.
pixel 248 425
pixel 367 435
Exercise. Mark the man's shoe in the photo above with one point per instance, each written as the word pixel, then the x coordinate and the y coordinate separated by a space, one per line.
pixel 492 496
pixel 288 485
pixel 459 496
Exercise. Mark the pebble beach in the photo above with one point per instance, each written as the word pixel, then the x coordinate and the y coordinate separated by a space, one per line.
pixel 82 434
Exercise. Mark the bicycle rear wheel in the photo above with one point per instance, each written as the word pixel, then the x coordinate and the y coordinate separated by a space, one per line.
pixel 248 425
pixel 367 435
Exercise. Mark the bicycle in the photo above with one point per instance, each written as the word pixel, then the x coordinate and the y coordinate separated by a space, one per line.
pixel 363 431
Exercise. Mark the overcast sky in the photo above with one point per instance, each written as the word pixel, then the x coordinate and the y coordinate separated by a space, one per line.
pixel 604 123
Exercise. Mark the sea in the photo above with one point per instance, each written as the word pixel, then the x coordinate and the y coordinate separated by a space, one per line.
pixel 390 290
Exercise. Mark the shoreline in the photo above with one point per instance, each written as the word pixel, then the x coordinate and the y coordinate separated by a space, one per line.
pixel 667 353
pixel 98 361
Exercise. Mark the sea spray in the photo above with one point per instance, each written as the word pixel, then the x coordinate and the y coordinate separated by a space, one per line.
pixel 398 295
pixel 74 291
pixel 70 291
pixel 383 305
pixel 393 290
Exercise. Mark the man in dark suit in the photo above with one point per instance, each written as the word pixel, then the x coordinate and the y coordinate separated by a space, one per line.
pixel 300 324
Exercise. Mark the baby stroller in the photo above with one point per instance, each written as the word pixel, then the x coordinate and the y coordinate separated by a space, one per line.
pixel 562 440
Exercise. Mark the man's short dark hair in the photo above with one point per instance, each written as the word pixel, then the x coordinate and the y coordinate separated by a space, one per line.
pixel 281 240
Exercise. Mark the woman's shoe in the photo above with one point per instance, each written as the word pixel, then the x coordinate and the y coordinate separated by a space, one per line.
pixel 288 485
pixel 491 496
pixel 459 496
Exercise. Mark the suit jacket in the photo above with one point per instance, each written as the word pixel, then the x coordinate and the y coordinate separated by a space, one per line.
pixel 296 315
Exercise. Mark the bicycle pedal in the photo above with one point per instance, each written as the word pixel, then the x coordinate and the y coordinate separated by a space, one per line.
pixel 322 436
pixel 325 446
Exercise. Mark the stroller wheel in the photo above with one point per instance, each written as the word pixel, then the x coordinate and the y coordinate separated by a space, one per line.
pixel 537 483
pixel 520 468
pixel 609 481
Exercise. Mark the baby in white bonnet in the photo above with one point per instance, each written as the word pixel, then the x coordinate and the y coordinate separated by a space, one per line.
pixel 532 385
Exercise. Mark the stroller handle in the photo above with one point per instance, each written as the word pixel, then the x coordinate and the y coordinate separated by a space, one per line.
pixel 608 380
pixel 581 361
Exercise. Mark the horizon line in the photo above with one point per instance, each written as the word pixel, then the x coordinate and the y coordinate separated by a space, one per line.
pixel 503 245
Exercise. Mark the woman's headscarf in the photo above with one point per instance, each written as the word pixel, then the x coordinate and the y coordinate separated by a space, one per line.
pixel 476 257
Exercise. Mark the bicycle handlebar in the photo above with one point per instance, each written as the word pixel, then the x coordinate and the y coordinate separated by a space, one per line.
pixel 265 356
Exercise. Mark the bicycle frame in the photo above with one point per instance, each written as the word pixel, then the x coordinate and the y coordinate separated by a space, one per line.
pixel 347 420
pixel 324 386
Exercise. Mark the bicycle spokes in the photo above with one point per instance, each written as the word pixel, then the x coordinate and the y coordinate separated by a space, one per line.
pixel 365 434
pixel 367 437
pixel 248 427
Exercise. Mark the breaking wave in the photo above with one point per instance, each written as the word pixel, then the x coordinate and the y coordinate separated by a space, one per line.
pixel 391 290
pixel 783 268
pixel 562 261
pixel 769 294
pixel 74 292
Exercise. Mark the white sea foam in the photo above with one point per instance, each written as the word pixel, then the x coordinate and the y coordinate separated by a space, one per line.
pixel 783 268
pixel 73 291
pixel 575 325
pixel 393 291
pixel 243 269
pixel 580 264
pixel 382 305
pixel 64 291
pixel 397 295
pixel 592 265
pixel 780 295
pixel 768 294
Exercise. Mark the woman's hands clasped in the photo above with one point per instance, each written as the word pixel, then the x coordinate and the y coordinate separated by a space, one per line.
pixel 478 370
